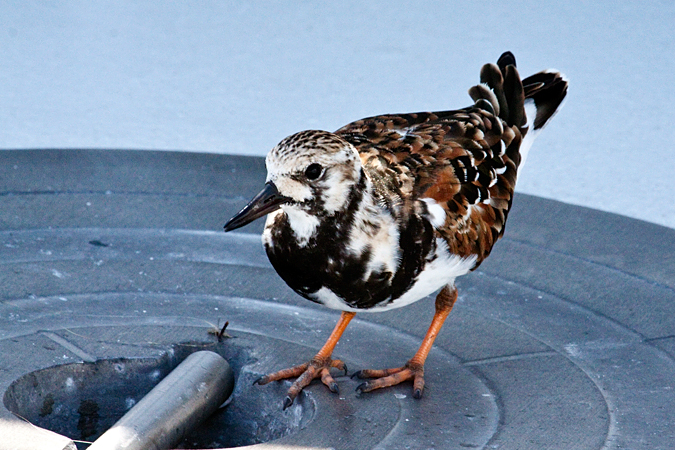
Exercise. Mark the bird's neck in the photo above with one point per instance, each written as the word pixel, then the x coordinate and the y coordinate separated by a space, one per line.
pixel 306 225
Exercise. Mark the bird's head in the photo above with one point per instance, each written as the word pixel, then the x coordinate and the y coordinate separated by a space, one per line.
pixel 310 172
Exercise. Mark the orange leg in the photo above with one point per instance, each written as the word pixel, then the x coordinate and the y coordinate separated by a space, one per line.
pixel 318 367
pixel 414 368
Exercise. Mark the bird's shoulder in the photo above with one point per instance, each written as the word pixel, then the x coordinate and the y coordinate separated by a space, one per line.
pixel 465 161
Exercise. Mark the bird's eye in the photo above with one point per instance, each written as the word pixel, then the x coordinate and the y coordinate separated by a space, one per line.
pixel 313 171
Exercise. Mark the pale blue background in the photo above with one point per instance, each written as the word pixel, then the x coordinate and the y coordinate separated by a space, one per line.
pixel 236 77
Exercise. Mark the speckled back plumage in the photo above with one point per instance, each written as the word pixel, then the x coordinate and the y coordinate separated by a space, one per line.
pixel 466 160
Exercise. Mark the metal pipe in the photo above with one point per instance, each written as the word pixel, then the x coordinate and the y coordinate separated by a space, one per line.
pixel 183 399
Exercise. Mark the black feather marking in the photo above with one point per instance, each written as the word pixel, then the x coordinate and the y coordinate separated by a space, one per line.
pixel 548 90
pixel 507 59
pixel 470 192
pixel 513 89
pixel 305 269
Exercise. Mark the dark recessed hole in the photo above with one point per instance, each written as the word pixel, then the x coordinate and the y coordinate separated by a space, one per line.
pixel 83 400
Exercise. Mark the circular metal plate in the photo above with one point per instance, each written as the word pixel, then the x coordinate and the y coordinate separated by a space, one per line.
pixel 562 339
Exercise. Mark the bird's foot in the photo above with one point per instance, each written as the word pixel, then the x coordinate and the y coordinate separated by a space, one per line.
pixel 391 377
pixel 305 373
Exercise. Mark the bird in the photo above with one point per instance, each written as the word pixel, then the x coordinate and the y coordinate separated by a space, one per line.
pixel 390 209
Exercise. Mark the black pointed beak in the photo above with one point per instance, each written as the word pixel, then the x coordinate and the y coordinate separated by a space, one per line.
pixel 268 200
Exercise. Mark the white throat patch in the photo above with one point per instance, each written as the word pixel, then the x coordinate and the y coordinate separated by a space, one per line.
pixel 303 225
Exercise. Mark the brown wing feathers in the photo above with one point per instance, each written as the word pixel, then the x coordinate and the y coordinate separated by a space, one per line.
pixel 466 160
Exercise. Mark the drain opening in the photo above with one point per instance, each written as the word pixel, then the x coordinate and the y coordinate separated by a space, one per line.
pixel 82 400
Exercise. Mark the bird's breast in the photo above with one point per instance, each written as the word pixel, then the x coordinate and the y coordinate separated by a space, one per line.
pixel 371 262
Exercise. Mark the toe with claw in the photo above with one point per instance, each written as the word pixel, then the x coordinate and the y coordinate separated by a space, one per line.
pixel 379 379
pixel 305 373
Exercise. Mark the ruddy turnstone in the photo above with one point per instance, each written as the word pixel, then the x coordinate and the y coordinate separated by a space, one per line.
pixel 389 209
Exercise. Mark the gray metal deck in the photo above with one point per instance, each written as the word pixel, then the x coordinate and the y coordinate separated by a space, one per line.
pixel 563 339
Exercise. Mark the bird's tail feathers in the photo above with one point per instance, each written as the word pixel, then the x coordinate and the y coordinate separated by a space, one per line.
pixel 544 94
pixel 529 104
pixel 547 90
pixel 502 87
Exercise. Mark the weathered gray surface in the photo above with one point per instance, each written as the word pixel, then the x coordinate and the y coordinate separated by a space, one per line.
pixel 562 339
